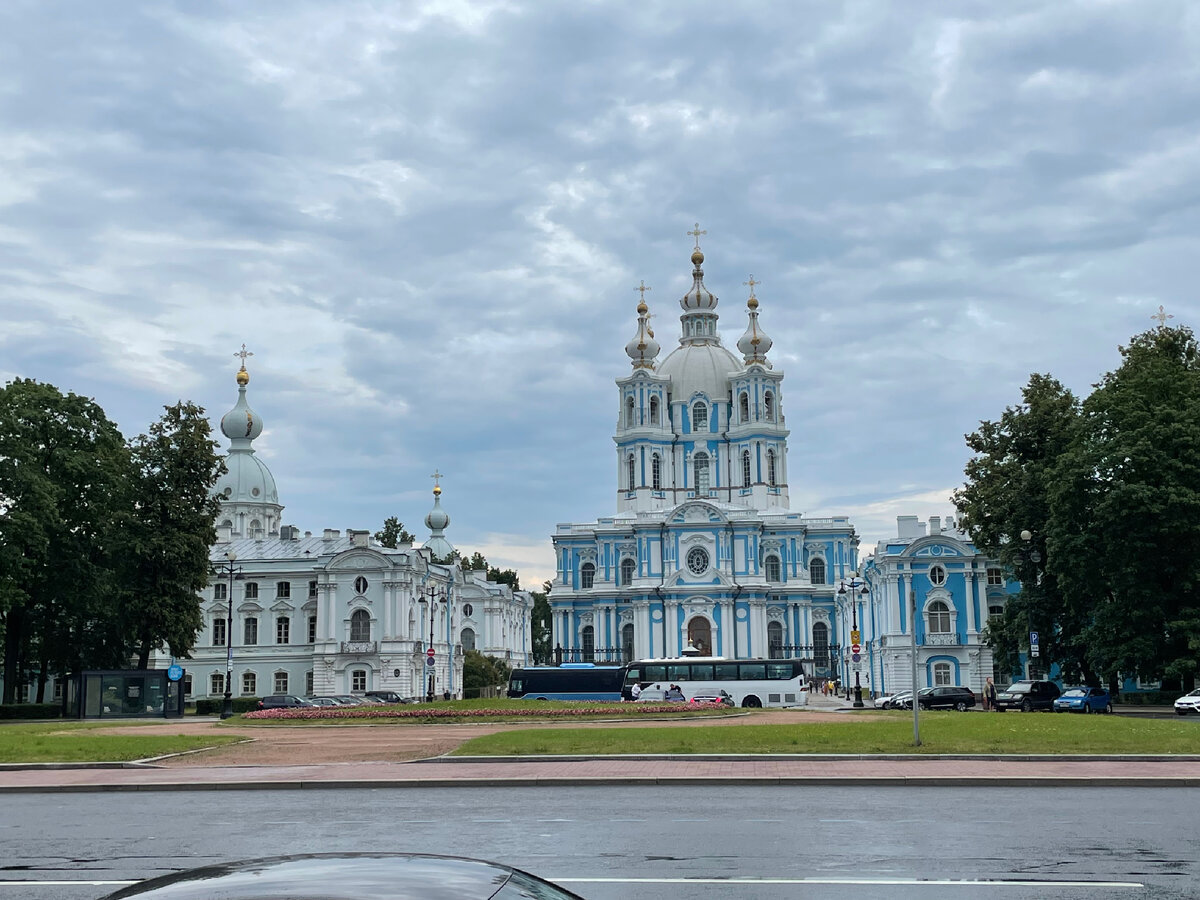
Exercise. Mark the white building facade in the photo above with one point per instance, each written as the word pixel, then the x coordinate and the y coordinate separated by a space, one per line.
pixel 337 613
pixel 704 549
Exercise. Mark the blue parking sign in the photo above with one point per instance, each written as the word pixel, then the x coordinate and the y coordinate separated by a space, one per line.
pixel 1033 639
pixel 174 673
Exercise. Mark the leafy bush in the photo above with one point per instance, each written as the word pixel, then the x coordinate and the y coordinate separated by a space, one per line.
pixel 30 710
pixel 1149 698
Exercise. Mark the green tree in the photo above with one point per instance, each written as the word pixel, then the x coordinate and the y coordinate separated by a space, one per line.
pixel 393 533
pixel 540 624
pixel 477 562
pixel 1124 537
pixel 168 531
pixel 481 671
pixel 1006 493
pixel 63 480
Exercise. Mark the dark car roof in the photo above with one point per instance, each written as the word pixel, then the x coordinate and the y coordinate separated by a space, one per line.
pixel 333 876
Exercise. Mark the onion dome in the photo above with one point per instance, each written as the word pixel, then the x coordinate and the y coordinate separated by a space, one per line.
pixel 699 298
pixel 436 521
pixel 247 479
pixel 241 424
pixel 755 343
pixel 643 348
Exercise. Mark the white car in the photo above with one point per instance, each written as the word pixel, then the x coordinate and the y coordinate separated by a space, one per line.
pixel 1188 703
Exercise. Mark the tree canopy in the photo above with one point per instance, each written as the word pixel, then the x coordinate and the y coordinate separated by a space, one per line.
pixel 393 534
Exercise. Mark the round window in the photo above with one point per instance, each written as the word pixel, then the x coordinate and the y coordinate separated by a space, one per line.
pixel 254 492
pixel 228 492
pixel 360 585
pixel 467 610
pixel 697 560
pixel 937 575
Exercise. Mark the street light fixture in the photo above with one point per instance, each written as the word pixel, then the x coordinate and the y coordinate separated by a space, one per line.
pixel 431 603
pixel 854 584
pixel 1032 556
pixel 229 570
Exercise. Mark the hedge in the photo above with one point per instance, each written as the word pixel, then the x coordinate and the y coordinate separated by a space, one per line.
pixel 212 706
pixel 30 710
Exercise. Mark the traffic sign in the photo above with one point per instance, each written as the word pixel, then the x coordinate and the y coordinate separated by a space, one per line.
pixel 429 662
pixel 855 636
pixel 1034 652
pixel 854 657
pixel 174 673
pixel 429 653
pixel 856 647
pixel 1033 639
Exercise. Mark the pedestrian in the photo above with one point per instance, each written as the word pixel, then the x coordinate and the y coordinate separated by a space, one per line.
pixel 989 695
pixel 636 690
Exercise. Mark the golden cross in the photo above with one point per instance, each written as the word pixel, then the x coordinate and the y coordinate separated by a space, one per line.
pixel 641 288
pixel 436 476
pixel 243 355
pixel 752 283
pixel 1162 315
pixel 696 234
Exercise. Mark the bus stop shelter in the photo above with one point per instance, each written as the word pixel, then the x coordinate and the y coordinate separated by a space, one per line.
pixel 124 694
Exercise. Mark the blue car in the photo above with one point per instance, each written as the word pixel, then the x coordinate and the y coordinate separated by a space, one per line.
pixel 1085 700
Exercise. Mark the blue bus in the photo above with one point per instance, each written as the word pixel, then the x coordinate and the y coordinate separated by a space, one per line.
pixel 570 681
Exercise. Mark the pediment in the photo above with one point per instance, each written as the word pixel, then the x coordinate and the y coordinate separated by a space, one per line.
pixel 359 558
pixel 696 513
pixel 934 547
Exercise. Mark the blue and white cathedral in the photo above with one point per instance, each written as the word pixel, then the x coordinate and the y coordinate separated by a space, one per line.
pixel 705 554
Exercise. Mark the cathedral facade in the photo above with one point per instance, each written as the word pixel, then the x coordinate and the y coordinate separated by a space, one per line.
pixel 704 550
pixel 334 612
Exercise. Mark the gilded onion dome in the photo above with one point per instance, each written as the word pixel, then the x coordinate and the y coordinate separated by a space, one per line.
pixel 643 348
pixel 755 343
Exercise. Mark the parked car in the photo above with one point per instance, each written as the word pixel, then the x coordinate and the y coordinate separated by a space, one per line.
pixel 1085 700
pixel 323 701
pixel 901 700
pixel 363 876
pixel 1027 696
pixel 386 696
pixel 946 697
pixel 721 697
pixel 1188 703
pixel 654 695
pixel 883 701
pixel 282 701
pixel 349 699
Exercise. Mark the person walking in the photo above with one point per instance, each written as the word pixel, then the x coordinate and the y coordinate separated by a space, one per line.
pixel 989 695
pixel 636 690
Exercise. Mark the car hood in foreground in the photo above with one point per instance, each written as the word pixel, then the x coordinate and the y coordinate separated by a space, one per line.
pixel 336 876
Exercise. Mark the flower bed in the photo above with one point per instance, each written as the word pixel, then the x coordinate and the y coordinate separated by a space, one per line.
pixel 441 712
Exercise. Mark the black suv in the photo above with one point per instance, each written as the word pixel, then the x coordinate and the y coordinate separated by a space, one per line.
pixel 386 696
pixel 945 697
pixel 1028 696
pixel 282 701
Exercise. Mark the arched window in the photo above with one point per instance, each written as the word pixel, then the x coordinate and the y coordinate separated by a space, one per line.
pixel 360 625
pixel 588 639
pixel 627 641
pixel 627 567
pixel 632 472
pixel 700 463
pixel 941 674
pixel 587 575
pixel 467 639
pixel 629 421
pixel 653 410
pixel 771 468
pixel 939 618
pixel 769 406
pixel 745 468
pixel 656 472
pixel 744 406
pixel 775 640
pixel 256 529
pixel 816 571
pixel 772 567
pixel 995 611
pixel 227 524
pixel 699 416
pixel 821 645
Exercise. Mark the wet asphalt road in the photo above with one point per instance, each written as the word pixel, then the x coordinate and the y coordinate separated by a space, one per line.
pixel 671 842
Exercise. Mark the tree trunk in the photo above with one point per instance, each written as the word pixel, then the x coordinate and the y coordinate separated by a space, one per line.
pixel 41 683
pixel 144 654
pixel 14 627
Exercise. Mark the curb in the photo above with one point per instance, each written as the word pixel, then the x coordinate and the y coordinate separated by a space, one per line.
pixel 684 781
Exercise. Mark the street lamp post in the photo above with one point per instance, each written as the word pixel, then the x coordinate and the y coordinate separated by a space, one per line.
pixel 1032 556
pixel 229 570
pixel 432 605
pixel 854 584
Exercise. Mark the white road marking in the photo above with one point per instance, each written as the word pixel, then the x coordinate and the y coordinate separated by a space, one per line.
pixel 65 883
pixel 921 882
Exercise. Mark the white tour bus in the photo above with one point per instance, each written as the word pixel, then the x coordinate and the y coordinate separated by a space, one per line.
pixel 750 682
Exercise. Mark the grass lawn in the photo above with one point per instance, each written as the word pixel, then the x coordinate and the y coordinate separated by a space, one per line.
pixel 490 710
pixel 941 732
pixel 56 741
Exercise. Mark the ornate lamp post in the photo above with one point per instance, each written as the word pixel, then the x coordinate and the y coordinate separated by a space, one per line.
pixel 1032 556
pixel 229 570
pixel 854 584
pixel 431 604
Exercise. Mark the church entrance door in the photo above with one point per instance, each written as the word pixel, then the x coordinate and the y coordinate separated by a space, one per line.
pixel 699 635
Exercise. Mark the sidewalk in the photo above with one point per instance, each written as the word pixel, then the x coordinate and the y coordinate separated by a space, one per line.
pixel 465 772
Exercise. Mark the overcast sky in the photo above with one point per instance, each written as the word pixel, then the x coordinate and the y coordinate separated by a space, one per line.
pixel 427 221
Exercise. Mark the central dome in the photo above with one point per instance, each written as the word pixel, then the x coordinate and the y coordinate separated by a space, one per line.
pixel 699 369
